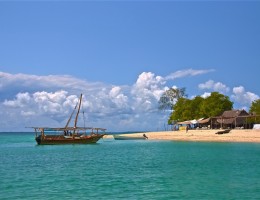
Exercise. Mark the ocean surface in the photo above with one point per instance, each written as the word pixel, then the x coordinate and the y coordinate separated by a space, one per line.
pixel 113 169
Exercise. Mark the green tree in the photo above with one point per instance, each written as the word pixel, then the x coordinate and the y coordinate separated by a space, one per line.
pixel 169 97
pixel 186 109
pixel 215 105
pixel 179 110
pixel 255 107
pixel 195 108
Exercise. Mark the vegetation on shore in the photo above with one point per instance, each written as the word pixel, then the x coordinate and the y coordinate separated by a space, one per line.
pixel 183 108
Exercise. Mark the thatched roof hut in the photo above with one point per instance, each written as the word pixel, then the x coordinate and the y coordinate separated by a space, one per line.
pixel 233 118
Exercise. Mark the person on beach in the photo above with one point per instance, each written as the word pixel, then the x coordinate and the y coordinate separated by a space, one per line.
pixel 187 128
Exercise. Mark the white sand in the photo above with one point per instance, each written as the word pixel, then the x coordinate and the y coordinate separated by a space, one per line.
pixel 247 135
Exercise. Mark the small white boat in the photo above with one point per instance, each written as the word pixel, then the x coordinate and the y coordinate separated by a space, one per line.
pixel 130 137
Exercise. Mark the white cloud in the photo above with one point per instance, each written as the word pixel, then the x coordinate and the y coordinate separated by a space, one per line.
pixel 148 81
pixel 205 95
pixel 22 99
pixel 215 86
pixel 58 102
pixel 50 83
pixel 147 91
pixel 243 97
pixel 187 72
pixel 49 100
pixel 42 103
pixel 30 100
pixel 118 98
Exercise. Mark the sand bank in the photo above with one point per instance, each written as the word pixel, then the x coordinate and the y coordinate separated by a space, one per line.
pixel 234 135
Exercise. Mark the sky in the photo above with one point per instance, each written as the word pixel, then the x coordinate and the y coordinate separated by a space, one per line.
pixel 122 56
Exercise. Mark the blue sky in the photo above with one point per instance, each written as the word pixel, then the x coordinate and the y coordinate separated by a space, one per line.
pixel 122 56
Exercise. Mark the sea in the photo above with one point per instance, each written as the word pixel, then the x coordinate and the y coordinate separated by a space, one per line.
pixel 133 169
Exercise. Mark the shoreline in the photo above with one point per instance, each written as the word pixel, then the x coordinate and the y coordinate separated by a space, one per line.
pixel 235 135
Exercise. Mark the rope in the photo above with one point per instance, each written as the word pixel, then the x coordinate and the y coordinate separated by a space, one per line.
pixel 84 119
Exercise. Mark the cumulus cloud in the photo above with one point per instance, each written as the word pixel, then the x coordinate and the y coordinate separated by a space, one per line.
pixel 148 80
pixel 243 97
pixel 205 95
pixel 147 91
pixel 215 86
pixel 56 105
pixel 49 100
pixel 30 100
pixel 118 97
pixel 21 100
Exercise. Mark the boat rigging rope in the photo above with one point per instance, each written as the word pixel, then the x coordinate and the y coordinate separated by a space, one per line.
pixel 71 115
pixel 84 119
pixel 83 113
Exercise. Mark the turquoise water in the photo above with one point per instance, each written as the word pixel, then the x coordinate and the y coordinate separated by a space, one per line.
pixel 128 170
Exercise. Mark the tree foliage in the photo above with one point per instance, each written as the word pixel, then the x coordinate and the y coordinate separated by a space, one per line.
pixel 215 105
pixel 180 110
pixel 169 98
pixel 255 107
pixel 186 109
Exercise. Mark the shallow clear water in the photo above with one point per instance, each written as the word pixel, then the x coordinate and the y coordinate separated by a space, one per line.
pixel 114 169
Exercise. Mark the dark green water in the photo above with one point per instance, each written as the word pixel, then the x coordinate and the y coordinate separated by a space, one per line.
pixel 128 170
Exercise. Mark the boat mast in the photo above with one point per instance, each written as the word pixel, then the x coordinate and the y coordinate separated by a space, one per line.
pixel 71 116
pixel 76 119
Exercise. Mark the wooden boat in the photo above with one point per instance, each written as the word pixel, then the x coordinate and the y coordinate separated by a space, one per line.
pixel 130 137
pixel 223 132
pixel 68 134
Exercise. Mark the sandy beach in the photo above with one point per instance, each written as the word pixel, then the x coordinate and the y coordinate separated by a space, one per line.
pixel 247 135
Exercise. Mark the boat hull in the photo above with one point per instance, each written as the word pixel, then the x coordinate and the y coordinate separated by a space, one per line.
pixel 60 139
pixel 124 137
